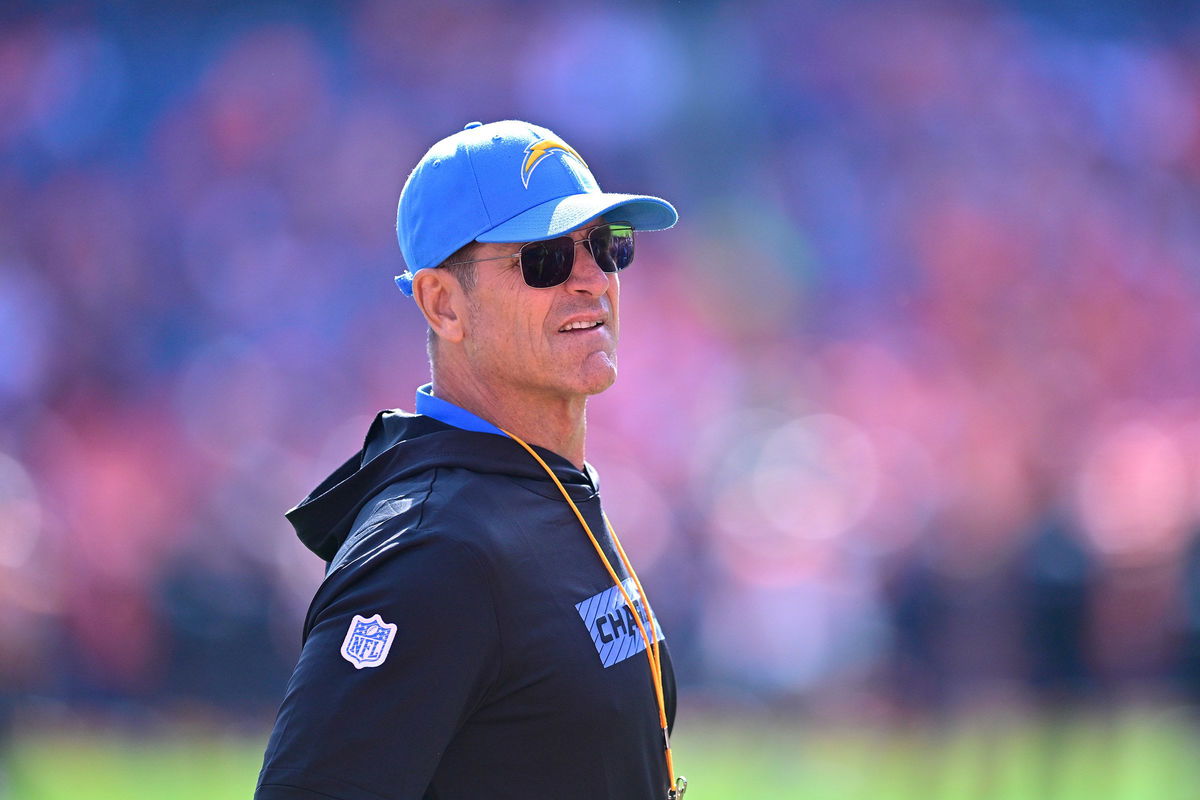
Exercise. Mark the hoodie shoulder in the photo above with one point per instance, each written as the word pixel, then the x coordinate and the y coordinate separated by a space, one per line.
pixel 325 518
pixel 444 501
pixel 398 507
pixel 403 451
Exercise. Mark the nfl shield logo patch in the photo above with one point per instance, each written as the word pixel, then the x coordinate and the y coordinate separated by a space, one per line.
pixel 368 641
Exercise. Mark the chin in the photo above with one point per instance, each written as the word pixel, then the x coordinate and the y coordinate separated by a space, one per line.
pixel 595 378
pixel 600 386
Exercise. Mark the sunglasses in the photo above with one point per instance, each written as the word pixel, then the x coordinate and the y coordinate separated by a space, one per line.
pixel 549 262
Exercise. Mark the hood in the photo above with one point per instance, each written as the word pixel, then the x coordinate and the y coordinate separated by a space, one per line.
pixel 399 445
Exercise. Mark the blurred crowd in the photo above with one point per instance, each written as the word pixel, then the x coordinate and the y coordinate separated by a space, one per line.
pixel 909 408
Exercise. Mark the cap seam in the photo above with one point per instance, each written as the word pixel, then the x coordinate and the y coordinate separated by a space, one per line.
pixel 478 190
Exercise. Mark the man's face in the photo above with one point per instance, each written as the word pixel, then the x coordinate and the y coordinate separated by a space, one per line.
pixel 518 336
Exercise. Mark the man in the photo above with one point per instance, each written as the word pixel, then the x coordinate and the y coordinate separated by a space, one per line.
pixel 480 632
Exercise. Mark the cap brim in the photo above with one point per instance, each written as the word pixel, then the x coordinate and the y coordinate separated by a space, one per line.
pixel 563 214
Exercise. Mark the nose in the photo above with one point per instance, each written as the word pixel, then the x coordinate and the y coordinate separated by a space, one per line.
pixel 586 275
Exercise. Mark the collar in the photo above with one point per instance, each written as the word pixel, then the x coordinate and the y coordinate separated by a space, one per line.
pixel 447 412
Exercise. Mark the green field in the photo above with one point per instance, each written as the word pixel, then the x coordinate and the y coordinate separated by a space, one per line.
pixel 1146 755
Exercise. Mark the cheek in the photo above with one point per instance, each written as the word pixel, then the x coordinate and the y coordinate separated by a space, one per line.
pixel 526 327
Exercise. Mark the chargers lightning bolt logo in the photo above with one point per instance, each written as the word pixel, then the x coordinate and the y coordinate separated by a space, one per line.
pixel 536 152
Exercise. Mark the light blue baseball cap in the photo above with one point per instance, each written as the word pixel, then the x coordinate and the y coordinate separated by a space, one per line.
pixel 505 182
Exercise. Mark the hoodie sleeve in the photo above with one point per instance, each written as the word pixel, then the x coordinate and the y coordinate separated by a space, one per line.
pixel 402 647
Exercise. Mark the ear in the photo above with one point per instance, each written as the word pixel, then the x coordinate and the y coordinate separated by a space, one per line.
pixel 443 302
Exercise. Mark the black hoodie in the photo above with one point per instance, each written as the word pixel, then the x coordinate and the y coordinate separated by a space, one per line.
pixel 466 642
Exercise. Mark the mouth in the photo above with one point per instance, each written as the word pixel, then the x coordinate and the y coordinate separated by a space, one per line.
pixel 581 325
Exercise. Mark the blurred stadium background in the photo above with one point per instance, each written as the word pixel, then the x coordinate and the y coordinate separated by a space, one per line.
pixel 906 442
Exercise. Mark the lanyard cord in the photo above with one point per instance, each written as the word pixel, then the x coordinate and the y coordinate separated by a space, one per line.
pixel 651 641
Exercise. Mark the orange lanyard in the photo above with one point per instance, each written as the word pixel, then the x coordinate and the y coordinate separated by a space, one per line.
pixel 675 787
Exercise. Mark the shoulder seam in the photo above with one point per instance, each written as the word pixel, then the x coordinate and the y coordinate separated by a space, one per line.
pixel 428 494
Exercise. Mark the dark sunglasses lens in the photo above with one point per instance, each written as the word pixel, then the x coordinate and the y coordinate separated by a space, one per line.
pixel 612 246
pixel 548 263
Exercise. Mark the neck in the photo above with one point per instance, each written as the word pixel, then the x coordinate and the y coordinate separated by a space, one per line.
pixel 555 422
